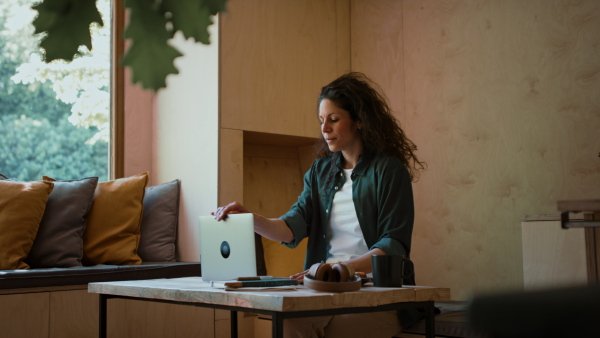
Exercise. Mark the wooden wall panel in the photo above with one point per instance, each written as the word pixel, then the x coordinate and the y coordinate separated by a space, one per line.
pixel 271 186
pixel 231 166
pixel 307 155
pixel 274 58
pixel 134 318
pixel 377 47
pixel 73 314
pixel 501 97
pixel 246 324
pixel 502 100
pixel 24 315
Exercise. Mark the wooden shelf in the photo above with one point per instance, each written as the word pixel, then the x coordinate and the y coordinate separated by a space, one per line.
pixel 252 137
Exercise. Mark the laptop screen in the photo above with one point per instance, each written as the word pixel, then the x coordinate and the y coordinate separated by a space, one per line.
pixel 227 248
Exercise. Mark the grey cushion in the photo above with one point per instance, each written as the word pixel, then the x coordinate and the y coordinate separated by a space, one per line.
pixel 158 231
pixel 59 239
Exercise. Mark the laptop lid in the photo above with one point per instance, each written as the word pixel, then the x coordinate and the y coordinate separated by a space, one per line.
pixel 227 247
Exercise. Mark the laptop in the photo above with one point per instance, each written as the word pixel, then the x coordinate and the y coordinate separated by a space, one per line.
pixel 227 249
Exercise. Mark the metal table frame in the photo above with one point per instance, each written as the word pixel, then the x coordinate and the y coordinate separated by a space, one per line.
pixel 279 316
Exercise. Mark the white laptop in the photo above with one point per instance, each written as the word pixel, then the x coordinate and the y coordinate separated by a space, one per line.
pixel 227 247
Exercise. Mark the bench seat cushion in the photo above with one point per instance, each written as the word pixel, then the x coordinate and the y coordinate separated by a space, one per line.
pixel 15 279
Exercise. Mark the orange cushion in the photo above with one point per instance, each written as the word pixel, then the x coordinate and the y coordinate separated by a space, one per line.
pixel 22 206
pixel 112 233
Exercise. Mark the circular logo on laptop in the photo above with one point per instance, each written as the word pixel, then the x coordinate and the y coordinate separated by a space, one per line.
pixel 225 250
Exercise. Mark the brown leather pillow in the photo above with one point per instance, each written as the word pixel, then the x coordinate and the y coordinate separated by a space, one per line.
pixel 112 233
pixel 22 206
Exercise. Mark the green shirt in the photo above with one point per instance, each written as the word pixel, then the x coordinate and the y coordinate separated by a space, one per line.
pixel 382 195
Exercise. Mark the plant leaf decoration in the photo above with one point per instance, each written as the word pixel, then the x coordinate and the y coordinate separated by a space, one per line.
pixel 152 23
pixel 191 17
pixel 67 26
pixel 149 55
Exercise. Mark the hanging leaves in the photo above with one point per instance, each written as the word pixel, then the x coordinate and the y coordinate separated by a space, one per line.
pixel 152 23
pixel 67 26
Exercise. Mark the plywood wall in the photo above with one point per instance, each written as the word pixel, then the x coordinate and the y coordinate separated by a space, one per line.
pixel 275 56
pixel 503 100
pixel 272 181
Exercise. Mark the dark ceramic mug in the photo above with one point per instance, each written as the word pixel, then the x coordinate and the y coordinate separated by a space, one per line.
pixel 390 270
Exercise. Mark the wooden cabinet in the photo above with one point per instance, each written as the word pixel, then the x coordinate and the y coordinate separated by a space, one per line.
pixel 24 315
pixel 136 318
pixel 55 312
pixel 274 58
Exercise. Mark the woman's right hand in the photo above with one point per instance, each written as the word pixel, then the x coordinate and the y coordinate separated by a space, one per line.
pixel 299 276
pixel 231 208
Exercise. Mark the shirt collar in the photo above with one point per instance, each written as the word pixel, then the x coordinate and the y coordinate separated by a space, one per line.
pixel 361 166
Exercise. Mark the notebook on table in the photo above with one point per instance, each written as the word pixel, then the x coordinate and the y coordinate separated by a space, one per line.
pixel 227 248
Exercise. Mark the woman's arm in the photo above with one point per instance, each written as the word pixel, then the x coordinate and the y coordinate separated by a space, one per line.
pixel 360 264
pixel 272 228
pixel 363 263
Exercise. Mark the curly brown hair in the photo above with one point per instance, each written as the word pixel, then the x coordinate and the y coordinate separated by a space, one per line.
pixel 380 132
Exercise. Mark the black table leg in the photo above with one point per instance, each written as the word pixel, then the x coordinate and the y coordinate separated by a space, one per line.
pixel 102 319
pixel 277 325
pixel 429 321
pixel 234 324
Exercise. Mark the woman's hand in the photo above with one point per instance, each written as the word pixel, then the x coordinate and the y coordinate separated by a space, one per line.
pixel 299 276
pixel 272 228
pixel 231 208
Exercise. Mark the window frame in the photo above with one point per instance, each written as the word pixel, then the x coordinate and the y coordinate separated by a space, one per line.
pixel 117 111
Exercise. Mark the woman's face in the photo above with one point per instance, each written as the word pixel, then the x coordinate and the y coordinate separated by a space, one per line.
pixel 339 130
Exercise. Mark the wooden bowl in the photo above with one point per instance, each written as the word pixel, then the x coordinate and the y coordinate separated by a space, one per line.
pixel 318 285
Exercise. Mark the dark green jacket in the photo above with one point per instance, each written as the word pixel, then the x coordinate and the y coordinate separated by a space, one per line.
pixel 382 194
pixel 383 198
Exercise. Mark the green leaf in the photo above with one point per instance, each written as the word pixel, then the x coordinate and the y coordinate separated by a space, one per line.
pixel 67 26
pixel 214 6
pixel 191 17
pixel 150 57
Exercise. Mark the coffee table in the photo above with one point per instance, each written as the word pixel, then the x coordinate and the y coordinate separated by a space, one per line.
pixel 302 302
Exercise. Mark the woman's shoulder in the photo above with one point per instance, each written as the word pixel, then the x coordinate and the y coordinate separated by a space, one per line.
pixel 387 160
pixel 321 163
pixel 388 163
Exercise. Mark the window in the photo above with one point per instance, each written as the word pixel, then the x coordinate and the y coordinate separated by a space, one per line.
pixel 54 118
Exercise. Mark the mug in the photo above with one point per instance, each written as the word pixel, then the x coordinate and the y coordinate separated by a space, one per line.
pixel 390 270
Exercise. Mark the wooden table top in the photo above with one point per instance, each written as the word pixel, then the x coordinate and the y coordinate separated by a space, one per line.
pixel 194 289
pixel 579 205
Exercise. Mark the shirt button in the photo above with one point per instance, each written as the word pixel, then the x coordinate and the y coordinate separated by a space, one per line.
pixel 323 236
pixel 341 174
pixel 336 188
pixel 326 210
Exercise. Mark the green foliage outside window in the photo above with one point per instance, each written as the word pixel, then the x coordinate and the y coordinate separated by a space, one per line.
pixel 54 118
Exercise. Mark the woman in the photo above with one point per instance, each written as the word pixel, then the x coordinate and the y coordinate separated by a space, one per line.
pixel 357 199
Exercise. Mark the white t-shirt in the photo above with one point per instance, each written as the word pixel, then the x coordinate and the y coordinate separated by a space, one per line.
pixel 346 240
